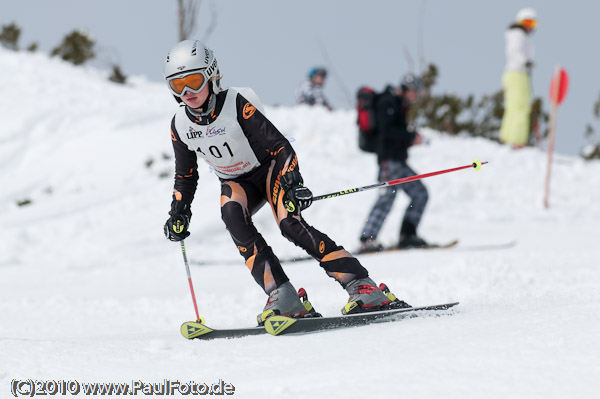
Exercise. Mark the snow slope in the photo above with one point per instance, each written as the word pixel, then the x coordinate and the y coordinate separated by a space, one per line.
pixel 91 291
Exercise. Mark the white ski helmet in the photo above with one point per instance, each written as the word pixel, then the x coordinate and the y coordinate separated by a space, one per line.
pixel 526 13
pixel 191 57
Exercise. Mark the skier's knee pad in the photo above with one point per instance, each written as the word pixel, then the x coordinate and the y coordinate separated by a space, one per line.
pixel 307 237
pixel 243 232
pixel 290 228
pixel 238 223
pixel 232 213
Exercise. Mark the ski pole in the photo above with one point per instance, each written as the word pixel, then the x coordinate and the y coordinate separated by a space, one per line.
pixel 187 269
pixel 475 165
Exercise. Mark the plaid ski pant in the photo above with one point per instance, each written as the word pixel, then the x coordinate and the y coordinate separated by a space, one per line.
pixel 391 170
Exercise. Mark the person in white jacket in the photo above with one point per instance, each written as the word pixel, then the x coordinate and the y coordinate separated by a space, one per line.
pixel 516 79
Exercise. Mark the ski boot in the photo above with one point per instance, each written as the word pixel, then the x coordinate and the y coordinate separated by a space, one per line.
pixel 409 238
pixel 365 296
pixel 310 310
pixel 396 303
pixel 370 245
pixel 285 301
pixel 412 241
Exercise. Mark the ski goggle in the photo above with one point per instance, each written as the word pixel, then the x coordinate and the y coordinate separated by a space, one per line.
pixel 194 81
pixel 529 23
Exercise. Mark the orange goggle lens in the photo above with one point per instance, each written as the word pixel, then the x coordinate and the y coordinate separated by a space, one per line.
pixel 530 23
pixel 195 82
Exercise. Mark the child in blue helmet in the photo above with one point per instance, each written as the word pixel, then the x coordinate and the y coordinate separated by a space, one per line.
pixel 311 90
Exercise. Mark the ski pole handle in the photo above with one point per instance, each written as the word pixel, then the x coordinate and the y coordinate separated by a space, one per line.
pixel 475 165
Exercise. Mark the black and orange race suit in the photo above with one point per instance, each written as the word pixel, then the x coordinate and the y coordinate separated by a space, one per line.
pixel 250 155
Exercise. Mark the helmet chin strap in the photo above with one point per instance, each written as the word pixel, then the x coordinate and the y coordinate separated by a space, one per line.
pixel 212 100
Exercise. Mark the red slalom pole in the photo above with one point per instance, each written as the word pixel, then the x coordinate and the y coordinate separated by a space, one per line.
pixel 475 165
pixel 187 269
pixel 558 91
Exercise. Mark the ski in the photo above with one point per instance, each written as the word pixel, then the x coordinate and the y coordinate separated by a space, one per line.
pixel 280 325
pixel 447 245
pixel 450 244
pixel 488 247
pixel 194 329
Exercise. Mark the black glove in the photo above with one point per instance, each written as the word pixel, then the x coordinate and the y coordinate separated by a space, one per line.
pixel 296 197
pixel 176 227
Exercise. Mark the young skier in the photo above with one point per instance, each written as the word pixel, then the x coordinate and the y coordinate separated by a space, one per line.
pixel 310 90
pixel 256 165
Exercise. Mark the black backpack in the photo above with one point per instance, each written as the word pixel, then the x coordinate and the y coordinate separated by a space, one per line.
pixel 367 123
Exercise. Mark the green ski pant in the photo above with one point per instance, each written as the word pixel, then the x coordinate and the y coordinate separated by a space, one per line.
pixel 515 126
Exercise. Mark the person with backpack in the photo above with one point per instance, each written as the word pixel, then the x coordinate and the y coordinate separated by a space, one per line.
pixel 389 135
pixel 516 79
pixel 310 90
pixel 256 165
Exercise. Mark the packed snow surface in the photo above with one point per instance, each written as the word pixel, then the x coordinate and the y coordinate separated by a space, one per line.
pixel 90 290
